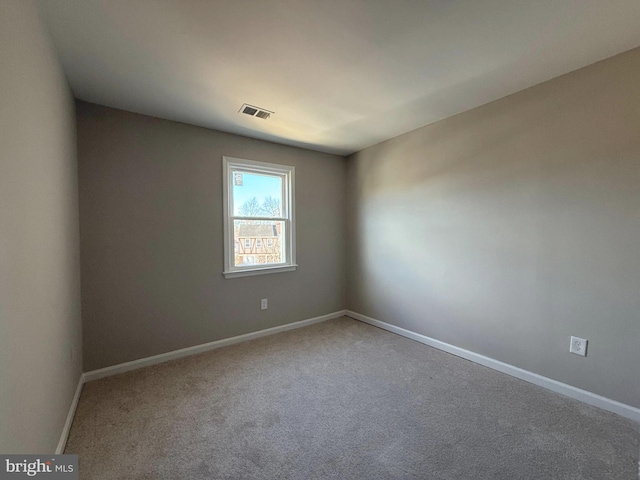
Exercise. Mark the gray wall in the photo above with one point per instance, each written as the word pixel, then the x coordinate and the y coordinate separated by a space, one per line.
pixel 39 260
pixel 508 228
pixel 151 237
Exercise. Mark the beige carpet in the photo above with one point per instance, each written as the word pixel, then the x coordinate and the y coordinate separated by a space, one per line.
pixel 341 400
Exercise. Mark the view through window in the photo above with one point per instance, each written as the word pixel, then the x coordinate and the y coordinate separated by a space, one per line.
pixel 258 216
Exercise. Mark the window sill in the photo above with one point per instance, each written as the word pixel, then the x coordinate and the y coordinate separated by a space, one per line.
pixel 259 271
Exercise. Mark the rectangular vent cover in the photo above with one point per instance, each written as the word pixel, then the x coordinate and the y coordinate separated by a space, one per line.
pixel 255 111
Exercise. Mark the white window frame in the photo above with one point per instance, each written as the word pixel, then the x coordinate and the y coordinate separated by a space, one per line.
pixel 229 164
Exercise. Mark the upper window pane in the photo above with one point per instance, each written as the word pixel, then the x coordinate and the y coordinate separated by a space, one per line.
pixel 257 194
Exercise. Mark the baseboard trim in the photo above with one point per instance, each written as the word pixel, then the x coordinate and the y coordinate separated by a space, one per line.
pixel 205 347
pixel 72 413
pixel 585 396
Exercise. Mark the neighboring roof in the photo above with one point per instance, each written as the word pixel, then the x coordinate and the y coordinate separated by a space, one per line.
pixel 262 231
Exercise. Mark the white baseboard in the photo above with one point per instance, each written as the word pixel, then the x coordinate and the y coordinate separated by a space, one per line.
pixel 614 406
pixel 72 413
pixel 205 347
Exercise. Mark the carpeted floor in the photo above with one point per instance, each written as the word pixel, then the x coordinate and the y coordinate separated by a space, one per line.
pixel 341 400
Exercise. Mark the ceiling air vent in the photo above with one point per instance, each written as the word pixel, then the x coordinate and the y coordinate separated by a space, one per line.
pixel 255 111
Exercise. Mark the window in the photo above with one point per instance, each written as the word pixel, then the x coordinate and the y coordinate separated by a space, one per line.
pixel 258 207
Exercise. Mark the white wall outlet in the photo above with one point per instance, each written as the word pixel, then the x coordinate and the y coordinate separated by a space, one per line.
pixel 263 304
pixel 578 346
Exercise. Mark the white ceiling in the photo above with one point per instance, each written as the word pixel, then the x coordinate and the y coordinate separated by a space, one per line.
pixel 340 75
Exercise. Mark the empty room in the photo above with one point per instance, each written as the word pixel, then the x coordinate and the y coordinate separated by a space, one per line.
pixel 305 239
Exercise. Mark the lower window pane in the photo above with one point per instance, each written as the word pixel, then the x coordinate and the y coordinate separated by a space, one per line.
pixel 258 242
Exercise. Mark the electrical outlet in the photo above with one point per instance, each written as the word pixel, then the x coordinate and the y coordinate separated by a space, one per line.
pixel 263 304
pixel 578 346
